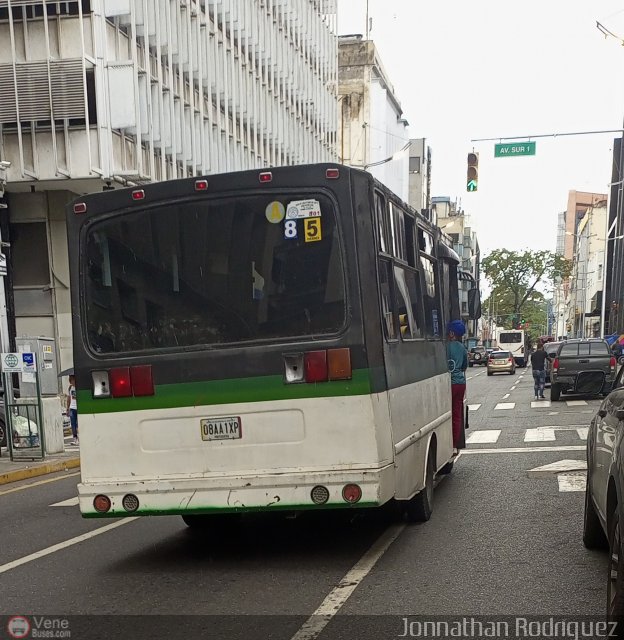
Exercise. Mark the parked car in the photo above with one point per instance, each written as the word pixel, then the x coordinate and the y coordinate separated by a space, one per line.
pixel 603 525
pixel 501 362
pixel 583 366
pixel 551 349
pixel 477 355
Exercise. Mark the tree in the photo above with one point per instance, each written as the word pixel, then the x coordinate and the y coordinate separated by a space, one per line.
pixel 516 274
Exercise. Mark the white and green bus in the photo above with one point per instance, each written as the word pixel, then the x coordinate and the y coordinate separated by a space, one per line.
pixel 267 340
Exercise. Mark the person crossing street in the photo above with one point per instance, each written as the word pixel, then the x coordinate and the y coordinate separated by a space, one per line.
pixel 538 359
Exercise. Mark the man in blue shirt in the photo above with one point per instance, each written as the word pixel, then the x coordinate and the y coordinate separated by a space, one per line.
pixel 457 363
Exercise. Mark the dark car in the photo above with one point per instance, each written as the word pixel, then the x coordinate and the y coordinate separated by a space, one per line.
pixel 603 525
pixel 477 355
pixel 583 366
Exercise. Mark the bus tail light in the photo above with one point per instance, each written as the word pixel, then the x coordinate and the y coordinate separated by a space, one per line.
pixel 315 366
pixel 120 383
pixel 201 185
pixel 266 176
pixel 339 364
pixel 130 502
pixel 332 174
pixel 555 365
pixel 142 382
pixel 80 207
pixel 138 194
pixel 101 503
pixel 351 493
pixel 320 494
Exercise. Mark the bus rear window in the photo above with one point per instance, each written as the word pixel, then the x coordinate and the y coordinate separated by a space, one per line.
pixel 509 338
pixel 214 272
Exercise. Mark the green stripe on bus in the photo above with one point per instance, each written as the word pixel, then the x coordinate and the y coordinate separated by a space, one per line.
pixel 226 510
pixel 196 394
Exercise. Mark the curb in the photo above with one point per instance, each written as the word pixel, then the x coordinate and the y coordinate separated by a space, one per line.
pixel 40 470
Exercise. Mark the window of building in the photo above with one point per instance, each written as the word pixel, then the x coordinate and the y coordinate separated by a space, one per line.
pixel 414 165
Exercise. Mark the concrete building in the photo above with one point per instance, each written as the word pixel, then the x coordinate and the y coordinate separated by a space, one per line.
pixel 584 295
pixel 454 222
pixel 102 93
pixel 420 176
pixel 372 132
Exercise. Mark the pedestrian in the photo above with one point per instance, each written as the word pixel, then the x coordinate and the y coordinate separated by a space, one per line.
pixel 458 363
pixel 72 408
pixel 538 358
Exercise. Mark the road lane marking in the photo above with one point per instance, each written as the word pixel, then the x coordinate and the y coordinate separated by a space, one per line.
pixel 513 388
pixel 506 396
pixel 553 413
pixel 572 482
pixel 489 436
pixel 561 466
pixel 541 434
pixel 504 405
pixel 63 545
pixel 536 404
pixel 576 403
pixel 582 432
pixel 473 407
pixel 39 482
pixel 572 447
pixel 336 598
pixel 70 502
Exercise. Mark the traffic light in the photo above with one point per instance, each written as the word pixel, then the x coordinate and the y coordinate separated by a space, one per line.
pixel 472 179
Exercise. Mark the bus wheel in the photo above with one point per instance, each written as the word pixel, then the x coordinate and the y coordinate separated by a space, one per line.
pixel 420 507
pixel 447 468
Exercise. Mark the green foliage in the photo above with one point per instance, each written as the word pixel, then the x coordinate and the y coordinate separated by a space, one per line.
pixel 515 275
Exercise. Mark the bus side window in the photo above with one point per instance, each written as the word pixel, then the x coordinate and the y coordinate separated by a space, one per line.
pixel 387 305
pixel 433 316
pixel 408 298
pixel 381 214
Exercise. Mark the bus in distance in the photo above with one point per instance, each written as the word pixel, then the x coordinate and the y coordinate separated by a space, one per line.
pixel 514 341
pixel 267 340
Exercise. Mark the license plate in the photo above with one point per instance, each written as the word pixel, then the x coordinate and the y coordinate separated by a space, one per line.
pixel 221 428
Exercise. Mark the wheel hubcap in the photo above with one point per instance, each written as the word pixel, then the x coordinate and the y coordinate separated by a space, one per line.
pixel 614 563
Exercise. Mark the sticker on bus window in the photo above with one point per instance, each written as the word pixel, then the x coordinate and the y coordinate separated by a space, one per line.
pixel 290 230
pixel 275 212
pixel 303 209
pixel 312 229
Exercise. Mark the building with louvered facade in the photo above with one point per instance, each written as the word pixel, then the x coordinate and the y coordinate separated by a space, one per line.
pixel 107 93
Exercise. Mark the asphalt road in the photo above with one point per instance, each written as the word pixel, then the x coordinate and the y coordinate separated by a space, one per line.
pixel 500 543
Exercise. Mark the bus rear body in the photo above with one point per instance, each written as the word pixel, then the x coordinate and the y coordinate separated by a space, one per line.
pixel 229 350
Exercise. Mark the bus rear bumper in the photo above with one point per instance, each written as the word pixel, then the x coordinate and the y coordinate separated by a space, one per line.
pixel 240 494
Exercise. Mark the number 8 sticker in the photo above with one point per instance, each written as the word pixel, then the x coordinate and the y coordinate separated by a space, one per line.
pixel 312 229
pixel 290 229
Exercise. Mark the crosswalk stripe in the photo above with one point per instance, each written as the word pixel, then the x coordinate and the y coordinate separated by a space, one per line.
pixel 473 407
pixel 489 436
pixel 71 502
pixel 582 433
pixel 571 482
pixel 576 403
pixel 504 405
pixel 541 434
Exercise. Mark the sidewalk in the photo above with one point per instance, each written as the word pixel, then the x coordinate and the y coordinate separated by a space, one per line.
pixel 24 469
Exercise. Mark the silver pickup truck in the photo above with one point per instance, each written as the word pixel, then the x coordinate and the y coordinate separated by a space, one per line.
pixel 582 366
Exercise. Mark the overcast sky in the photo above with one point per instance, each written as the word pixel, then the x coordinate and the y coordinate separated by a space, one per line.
pixel 491 68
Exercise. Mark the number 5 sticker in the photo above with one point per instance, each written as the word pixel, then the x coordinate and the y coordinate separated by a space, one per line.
pixel 312 229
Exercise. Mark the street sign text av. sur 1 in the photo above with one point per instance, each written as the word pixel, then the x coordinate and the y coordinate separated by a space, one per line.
pixel 514 149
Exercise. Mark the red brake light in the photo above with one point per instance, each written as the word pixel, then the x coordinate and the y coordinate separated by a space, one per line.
pixel 266 176
pixel 201 185
pixel 120 384
pixel 613 362
pixel 101 503
pixel 142 380
pixel 138 194
pixel 351 493
pixel 510 360
pixel 80 207
pixel 315 366
pixel 332 174
pixel 555 364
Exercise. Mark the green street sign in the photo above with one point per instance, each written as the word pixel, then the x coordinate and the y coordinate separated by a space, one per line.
pixel 472 185
pixel 514 149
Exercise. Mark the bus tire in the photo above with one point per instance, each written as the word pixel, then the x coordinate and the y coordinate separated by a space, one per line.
pixel 447 468
pixel 420 507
